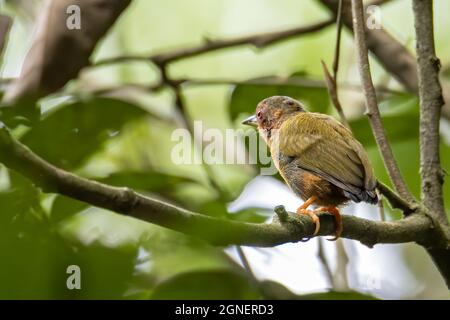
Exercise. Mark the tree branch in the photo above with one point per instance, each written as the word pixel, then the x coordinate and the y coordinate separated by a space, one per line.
pixel 371 103
pixel 257 40
pixel 331 80
pixel 16 156
pixel 431 102
pixel 441 257
pixel 395 200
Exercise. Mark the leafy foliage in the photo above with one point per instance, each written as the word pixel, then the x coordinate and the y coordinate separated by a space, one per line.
pixel 35 257
pixel 67 135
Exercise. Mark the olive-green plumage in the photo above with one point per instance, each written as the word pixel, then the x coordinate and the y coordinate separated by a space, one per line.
pixel 315 154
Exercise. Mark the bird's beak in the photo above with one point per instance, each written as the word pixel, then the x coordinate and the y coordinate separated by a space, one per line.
pixel 251 121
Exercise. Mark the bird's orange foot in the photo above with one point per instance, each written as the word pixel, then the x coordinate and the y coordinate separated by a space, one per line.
pixel 313 216
pixel 303 210
pixel 337 218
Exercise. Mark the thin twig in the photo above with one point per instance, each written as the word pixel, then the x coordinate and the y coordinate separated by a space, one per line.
pixel 373 112
pixel 333 93
pixel 337 49
pixel 331 80
pixel 341 278
pixel 395 200
pixel 324 262
pixel 254 280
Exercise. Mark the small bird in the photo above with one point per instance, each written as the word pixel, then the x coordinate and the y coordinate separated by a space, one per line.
pixel 317 156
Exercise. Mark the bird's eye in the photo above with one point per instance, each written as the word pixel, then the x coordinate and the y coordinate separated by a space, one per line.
pixel 258 114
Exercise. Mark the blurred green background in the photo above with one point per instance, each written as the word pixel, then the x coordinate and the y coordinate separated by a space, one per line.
pixel 124 138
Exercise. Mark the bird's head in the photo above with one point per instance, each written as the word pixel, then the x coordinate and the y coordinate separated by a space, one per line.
pixel 272 111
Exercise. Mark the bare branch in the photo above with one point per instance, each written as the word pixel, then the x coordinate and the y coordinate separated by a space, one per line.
pixel 257 40
pixel 326 267
pixel 431 102
pixel 371 103
pixel 342 260
pixel 395 200
pixel 248 268
pixel 331 80
pixel 337 49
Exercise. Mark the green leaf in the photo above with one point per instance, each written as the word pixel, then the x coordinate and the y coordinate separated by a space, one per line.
pixel 34 257
pixel 105 272
pixel 206 285
pixel 18 198
pixel 64 207
pixel 215 208
pixel 18 115
pixel 69 134
pixel 245 97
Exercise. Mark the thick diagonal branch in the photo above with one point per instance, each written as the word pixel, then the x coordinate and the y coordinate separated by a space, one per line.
pixel 371 102
pixel 431 102
pixel 415 228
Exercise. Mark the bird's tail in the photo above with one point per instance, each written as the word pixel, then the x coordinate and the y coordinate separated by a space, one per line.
pixel 369 196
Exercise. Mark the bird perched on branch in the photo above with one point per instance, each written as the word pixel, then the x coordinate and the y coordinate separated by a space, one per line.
pixel 316 155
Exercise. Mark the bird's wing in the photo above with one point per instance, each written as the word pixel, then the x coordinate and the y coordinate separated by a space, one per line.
pixel 320 144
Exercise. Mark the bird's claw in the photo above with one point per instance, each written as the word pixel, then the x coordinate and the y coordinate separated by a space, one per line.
pixel 338 233
pixel 314 217
pixel 337 218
